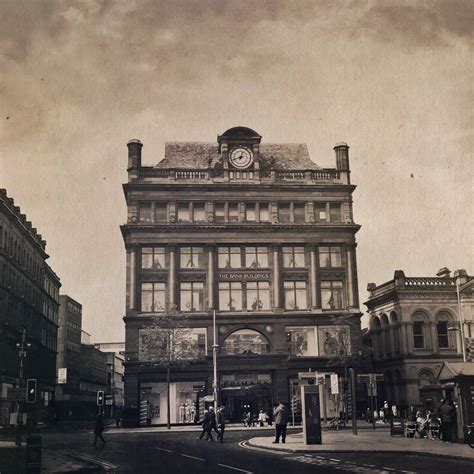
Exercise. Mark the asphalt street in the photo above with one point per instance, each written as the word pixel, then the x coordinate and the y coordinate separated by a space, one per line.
pixel 182 452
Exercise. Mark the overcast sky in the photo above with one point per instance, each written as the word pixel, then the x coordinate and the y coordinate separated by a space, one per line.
pixel 392 79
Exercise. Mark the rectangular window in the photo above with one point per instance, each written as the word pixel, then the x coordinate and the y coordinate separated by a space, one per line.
pixel 299 213
pixel 443 335
pixel 229 257
pixel 332 294
pixel 199 212
pixel 320 212
pixel 183 212
pixel 256 257
pixel 263 213
pixel 418 335
pixel 284 214
pixel 230 296
pixel 293 257
pixel 233 212
pixel 192 296
pixel 250 212
pixel 144 212
pixel 219 212
pixel 295 294
pixel 258 296
pixel 161 212
pixel 302 341
pixel 191 257
pixel 335 213
pixel 153 297
pixel 153 258
pixel 329 257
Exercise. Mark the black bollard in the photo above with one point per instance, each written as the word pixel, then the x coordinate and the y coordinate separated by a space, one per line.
pixel 33 454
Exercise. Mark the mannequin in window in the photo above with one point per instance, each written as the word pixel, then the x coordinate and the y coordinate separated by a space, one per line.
pixel 257 305
pixel 231 304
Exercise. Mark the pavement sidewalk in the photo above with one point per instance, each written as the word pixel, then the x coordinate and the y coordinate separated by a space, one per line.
pixel 378 441
pixel 12 460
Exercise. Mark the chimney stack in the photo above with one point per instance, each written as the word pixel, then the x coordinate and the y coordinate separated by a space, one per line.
pixel 134 154
pixel 342 156
pixel 444 273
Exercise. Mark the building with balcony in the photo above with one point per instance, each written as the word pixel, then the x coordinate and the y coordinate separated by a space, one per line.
pixel 29 299
pixel 256 232
pixel 416 324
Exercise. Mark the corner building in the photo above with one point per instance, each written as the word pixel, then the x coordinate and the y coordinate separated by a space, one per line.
pixel 262 235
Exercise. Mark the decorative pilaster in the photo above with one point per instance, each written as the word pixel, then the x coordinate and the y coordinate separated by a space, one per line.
pixel 315 299
pixel 210 277
pixel 391 330
pixel 434 338
pixel 132 277
pixel 276 277
pixel 403 338
pixel 172 276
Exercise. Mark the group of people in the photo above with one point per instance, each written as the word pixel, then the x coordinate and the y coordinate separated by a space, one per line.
pixel 213 421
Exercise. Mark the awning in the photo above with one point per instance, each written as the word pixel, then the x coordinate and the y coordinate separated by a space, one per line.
pixel 452 370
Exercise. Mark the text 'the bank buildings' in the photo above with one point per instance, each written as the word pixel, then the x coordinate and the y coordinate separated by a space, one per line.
pixel 258 233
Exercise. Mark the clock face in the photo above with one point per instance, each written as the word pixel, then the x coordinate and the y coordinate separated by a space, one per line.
pixel 241 157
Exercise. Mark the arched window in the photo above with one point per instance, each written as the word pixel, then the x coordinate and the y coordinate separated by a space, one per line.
pixel 443 321
pixel 419 331
pixel 245 342
pixel 425 378
pixel 385 334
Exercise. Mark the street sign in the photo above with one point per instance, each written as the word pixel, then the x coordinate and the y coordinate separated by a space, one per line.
pixel 62 375
pixel 372 389
pixel 16 395
pixel 109 401
pixel 334 384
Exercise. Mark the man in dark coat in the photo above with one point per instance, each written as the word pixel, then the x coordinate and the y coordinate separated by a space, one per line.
pixel 282 415
pixel 446 413
pixel 99 429
pixel 220 419
pixel 205 425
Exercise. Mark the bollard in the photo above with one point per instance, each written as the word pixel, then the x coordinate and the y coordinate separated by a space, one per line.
pixel 33 454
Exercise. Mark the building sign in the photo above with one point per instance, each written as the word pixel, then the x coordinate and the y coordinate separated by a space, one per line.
pixel 62 375
pixel 16 394
pixel 245 379
pixel 239 276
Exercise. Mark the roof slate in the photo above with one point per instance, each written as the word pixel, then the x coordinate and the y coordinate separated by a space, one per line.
pixel 197 155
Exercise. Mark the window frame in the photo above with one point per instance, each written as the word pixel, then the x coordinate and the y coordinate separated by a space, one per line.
pixel 153 253
pixel 335 250
pixel 154 291
pixel 291 286
pixel 293 253
pixel 233 288
pixel 195 293
pixel 329 285
pixel 195 251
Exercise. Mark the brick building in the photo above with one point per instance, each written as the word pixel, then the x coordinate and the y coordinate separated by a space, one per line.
pixel 29 299
pixel 262 235
pixel 414 327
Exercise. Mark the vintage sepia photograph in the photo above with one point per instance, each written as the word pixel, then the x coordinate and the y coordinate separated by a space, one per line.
pixel 237 236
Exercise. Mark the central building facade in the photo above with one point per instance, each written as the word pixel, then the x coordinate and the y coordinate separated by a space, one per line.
pixel 257 233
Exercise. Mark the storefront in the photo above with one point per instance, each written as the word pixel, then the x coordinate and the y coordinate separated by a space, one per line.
pixel 184 402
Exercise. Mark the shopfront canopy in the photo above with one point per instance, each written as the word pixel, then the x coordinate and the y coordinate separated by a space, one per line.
pixel 452 370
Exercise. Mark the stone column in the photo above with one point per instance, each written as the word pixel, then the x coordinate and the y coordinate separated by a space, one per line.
pixel 403 338
pixel 172 276
pixel 315 299
pixel 276 277
pixel 210 277
pixel 391 330
pixel 350 278
pixel 434 337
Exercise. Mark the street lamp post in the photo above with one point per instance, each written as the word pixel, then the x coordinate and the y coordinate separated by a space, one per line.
pixel 461 322
pixel 215 346
pixel 21 354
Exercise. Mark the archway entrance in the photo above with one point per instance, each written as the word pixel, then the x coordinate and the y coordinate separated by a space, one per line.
pixel 244 393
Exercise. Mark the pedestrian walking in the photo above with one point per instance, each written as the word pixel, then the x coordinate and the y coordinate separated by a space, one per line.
pixel 446 412
pixel 99 429
pixel 212 424
pixel 118 416
pixel 205 425
pixel 220 419
pixel 282 416
pixel 262 418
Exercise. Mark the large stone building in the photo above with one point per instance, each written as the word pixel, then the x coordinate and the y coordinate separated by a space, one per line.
pixel 414 327
pixel 29 300
pixel 258 233
pixel 68 393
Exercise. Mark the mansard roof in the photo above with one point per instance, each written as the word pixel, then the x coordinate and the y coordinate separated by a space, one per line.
pixel 197 155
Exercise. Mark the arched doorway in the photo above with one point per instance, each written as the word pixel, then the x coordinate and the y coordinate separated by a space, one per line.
pixel 243 390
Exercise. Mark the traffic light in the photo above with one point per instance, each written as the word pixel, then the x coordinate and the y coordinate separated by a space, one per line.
pixel 100 398
pixel 31 390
